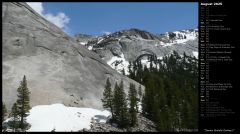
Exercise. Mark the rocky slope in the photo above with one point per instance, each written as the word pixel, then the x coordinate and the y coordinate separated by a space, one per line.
pixel 122 47
pixel 57 68
pixel 143 125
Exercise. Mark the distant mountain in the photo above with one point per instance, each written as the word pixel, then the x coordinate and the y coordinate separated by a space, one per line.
pixel 122 47
pixel 83 38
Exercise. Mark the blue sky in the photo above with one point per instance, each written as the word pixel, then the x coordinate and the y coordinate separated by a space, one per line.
pixel 97 18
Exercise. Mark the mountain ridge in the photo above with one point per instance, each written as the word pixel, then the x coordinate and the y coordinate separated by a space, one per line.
pixel 124 46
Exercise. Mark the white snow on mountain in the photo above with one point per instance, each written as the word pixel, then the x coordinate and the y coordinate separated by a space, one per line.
pixel 195 54
pixel 63 118
pixel 182 37
pixel 100 39
pixel 146 62
pixel 139 105
pixel 119 63
pixel 90 47
pixel 83 43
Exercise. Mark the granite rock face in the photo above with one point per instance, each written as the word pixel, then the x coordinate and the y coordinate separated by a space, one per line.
pixel 57 68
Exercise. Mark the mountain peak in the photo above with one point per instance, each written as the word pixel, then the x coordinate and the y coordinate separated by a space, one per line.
pixel 134 32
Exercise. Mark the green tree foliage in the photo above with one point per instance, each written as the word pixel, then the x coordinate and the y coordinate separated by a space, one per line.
pixel 4 111
pixel 170 98
pixel 120 106
pixel 140 92
pixel 172 36
pixel 23 102
pixel 132 96
pixel 15 117
pixel 123 72
pixel 108 97
pixel 131 71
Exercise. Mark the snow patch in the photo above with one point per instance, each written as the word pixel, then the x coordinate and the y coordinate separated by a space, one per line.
pixel 181 37
pixel 119 63
pixel 195 53
pixel 90 47
pixel 100 40
pixel 83 43
pixel 62 118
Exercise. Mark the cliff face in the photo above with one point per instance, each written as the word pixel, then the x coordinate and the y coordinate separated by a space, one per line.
pixel 57 68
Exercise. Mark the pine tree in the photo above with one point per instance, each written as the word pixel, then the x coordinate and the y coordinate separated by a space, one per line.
pixel 133 104
pixel 123 71
pixel 150 92
pixel 116 109
pixel 120 106
pixel 144 105
pixel 4 111
pixel 172 36
pixel 130 70
pixel 23 102
pixel 140 92
pixel 156 112
pixel 151 66
pixel 108 97
pixel 14 114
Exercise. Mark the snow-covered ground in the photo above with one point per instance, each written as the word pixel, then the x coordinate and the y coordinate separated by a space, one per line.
pixel 62 118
